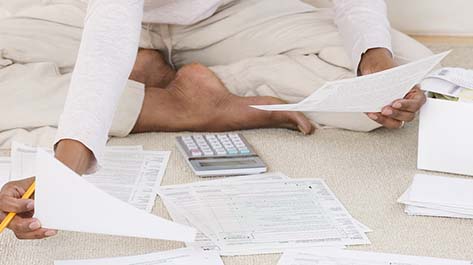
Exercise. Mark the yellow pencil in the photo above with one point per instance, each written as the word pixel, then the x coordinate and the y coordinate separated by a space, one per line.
pixel 10 216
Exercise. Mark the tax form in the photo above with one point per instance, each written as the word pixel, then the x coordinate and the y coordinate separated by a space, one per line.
pixel 266 216
pixel 347 257
pixel 202 241
pixel 127 172
pixel 132 176
pixel 368 93
pixel 174 257
pixel 4 170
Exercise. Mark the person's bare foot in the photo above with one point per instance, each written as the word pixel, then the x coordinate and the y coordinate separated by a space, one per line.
pixel 151 69
pixel 198 101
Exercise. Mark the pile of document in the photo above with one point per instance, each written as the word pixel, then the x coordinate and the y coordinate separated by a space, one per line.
pixel 455 84
pixel 439 196
pixel 174 257
pixel 127 172
pixel 327 256
pixel 265 213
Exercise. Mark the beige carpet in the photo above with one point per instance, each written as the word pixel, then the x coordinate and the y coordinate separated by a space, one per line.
pixel 368 172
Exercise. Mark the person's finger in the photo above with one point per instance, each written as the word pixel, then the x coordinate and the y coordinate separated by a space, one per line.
pixel 412 105
pixel 24 225
pixel 302 122
pixel 11 204
pixel 387 122
pixel 398 114
pixel 17 188
pixel 37 234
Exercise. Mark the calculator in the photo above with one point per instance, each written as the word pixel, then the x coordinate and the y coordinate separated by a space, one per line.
pixel 220 155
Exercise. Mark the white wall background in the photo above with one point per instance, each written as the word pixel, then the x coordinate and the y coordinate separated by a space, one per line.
pixel 422 17
pixel 428 17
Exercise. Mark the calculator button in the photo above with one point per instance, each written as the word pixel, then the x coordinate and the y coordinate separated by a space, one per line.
pixel 245 151
pixel 232 152
pixel 222 137
pixel 210 137
pixel 191 146
pixel 196 153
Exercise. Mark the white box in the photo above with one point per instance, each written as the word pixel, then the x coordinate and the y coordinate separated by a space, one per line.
pixel 446 137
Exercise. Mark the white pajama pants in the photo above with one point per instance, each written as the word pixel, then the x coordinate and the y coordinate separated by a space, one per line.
pixel 255 47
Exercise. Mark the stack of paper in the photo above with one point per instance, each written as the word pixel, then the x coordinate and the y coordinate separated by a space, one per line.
pixel 347 257
pixel 175 257
pixel 439 196
pixel 262 214
pixel 127 172
pixel 450 83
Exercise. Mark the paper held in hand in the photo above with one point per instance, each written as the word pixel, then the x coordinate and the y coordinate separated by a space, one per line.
pixel 66 201
pixel 368 93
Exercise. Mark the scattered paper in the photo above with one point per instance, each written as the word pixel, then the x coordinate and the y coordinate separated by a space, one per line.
pixel 368 93
pixel 345 257
pixel 205 243
pixel 66 201
pixel 265 216
pixel 127 172
pixel 439 196
pixel 131 176
pixel 174 257
pixel 4 171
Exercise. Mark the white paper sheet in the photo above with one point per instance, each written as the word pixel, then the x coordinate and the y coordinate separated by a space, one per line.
pixel 445 137
pixel 66 201
pixel 348 257
pixel 447 191
pixel 174 257
pixel 4 171
pixel 368 93
pixel 266 216
pixel 439 196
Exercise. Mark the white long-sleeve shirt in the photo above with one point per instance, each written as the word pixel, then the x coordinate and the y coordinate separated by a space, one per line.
pixel 110 41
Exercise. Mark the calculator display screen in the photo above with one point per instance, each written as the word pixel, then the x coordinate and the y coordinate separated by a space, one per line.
pixel 227 163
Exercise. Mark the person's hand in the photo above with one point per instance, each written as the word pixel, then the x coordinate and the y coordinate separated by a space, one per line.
pixel 401 110
pixel 23 225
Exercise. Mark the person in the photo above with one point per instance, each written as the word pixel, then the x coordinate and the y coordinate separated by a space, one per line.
pixel 249 52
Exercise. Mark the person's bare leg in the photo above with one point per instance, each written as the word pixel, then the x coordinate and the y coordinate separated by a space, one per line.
pixel 196 100
pixel 151 69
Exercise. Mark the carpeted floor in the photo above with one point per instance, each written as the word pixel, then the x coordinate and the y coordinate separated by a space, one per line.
pixel 368 172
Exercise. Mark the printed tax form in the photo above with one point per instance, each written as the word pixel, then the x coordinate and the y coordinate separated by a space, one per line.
pixel 264 216
pixel 368 93
pixel 326 256
pixel 174 257
pixel 4 170
pixel 202 241
pixel 127 172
